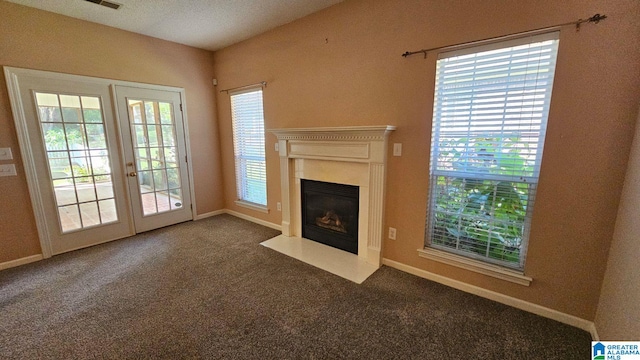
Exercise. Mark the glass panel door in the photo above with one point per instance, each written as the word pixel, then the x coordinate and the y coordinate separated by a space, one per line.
pixel 154 148
pixel 73 132
pixel 73 165
pixel 156 159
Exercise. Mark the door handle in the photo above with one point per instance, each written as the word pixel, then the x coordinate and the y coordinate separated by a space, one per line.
pixel 133 174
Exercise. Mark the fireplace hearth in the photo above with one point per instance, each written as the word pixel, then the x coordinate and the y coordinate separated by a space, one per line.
pixel 330 214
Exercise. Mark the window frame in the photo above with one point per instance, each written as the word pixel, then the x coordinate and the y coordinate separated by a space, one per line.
pixel 467 259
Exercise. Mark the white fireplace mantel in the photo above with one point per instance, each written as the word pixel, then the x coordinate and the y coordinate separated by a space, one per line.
pixel 355 155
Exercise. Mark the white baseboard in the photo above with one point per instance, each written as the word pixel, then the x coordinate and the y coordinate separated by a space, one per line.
pixel 575 321
pixel 21 261
pixel 594 332
pixel 209 214
pixel 255 220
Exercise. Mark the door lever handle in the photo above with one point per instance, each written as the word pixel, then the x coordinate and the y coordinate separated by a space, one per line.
pixel 133 174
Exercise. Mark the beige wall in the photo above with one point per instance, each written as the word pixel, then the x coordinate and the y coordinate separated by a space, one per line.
pixel 36 39
pixel 619 308
pixel 342 66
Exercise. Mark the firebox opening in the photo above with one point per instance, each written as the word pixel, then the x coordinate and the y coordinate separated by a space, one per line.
pixel 330 214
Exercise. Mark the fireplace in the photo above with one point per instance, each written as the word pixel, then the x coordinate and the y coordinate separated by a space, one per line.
pixel 352 156
pixel 330 214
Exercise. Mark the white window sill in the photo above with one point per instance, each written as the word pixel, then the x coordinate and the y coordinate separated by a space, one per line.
pixel 252 206
pixel 475 265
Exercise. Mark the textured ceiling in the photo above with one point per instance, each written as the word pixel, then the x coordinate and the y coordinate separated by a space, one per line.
pixel 206 24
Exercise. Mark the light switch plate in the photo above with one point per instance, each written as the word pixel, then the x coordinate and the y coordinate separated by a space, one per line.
pixel 8 170
pixel 392 233
pixel 397 149
pixel 277 147
pixel 5 154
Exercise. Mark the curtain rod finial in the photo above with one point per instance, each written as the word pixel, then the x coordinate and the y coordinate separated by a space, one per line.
pixel 597 18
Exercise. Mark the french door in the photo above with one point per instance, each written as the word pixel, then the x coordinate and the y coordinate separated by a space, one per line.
pixel 95 176
pixel 78 173
pixel 155 156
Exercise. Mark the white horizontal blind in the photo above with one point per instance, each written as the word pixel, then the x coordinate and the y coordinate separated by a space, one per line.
pixel 489 121
pixel 248 141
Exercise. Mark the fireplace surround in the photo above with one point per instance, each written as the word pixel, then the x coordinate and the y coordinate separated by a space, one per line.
pixel 355 156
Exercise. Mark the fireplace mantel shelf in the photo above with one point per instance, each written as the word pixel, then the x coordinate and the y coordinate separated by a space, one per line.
pixel 351 155
pixel 339 132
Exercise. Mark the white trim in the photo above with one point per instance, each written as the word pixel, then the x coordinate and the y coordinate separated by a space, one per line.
pixel 564 318
pixel 254 220
pixel 355 133
pixel 478 266
pixel 21 261
pixel 252 206
pixel 81 78
pixel 187 145
pixel 209 214
pixel 28 161
pixel 120 150
pixel 594 332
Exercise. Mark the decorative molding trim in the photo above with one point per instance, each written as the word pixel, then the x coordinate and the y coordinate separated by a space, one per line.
pixel 376 206
pixel 564 318
pixel 366 133
pixel 254 220
pixel 21 261
pixel 475 266
pixel 209 214
pixel 328 149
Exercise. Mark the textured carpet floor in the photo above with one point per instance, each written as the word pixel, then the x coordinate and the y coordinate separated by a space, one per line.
pixel 207 289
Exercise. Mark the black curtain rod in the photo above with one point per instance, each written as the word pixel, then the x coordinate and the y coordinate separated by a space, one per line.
pixel 261 83
pixel 594 19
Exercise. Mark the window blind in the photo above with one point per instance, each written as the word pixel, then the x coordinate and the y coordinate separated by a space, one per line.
pixel 248 140
pixel 490 114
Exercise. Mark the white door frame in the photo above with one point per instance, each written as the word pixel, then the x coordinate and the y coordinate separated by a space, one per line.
pixel 12 76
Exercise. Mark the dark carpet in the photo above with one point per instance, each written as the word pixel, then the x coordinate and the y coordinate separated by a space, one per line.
pixel 207 289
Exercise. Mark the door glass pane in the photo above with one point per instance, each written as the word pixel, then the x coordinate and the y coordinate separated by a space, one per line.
pixel 89 214
pixel 69 218
pixel 108 210
pixel 91 109
pixel 139 136
pixel 80 177
pixel 149 111
pixel 95 136
pixel 156 155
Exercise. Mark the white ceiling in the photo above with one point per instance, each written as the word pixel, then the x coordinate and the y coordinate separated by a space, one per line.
pixel 206 24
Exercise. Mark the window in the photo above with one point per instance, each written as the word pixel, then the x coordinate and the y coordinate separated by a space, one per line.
pixel 489 121
pixel 248 144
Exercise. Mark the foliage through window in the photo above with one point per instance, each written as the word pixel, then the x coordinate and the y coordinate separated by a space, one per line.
pixel 248 140
pixel 489 121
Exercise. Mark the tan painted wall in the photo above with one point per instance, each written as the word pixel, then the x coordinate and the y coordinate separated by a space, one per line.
pixel 40 40
pixel 619 308
pixel 342 66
